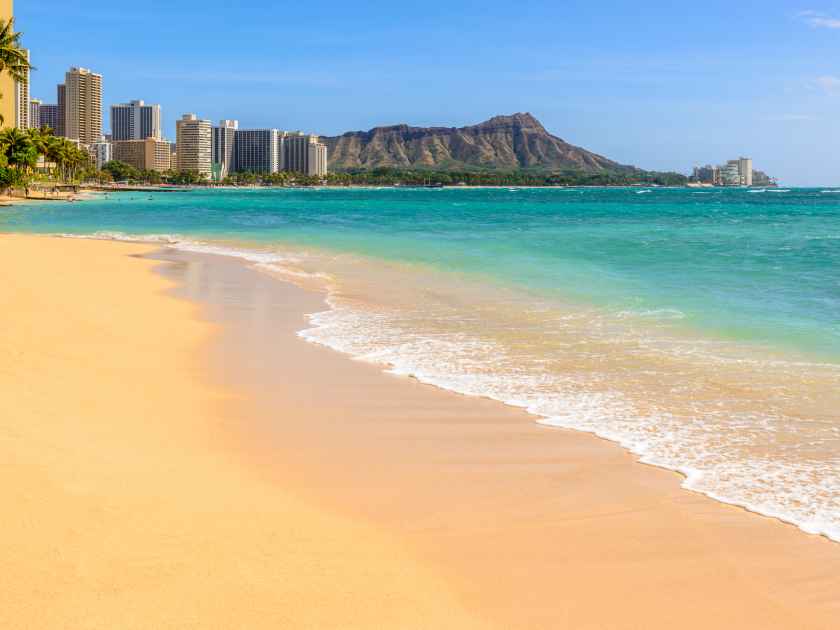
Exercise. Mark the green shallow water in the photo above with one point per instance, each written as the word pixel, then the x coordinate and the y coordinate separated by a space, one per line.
pixel 760 267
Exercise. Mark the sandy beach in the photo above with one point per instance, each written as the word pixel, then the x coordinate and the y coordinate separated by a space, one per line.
pixel 175 457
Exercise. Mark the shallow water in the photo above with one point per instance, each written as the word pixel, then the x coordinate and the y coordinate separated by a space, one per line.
pixel 701 329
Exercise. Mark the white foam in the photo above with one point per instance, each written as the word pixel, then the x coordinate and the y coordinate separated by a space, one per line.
pixel 804 493
pixel 796 490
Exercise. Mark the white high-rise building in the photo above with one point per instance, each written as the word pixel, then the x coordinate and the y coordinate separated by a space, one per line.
pixel 100 152
pixel 135 121
pixel 195 145
pixel 745 170
pixel 22 105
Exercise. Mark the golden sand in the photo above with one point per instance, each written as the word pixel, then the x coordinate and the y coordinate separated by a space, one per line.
pixel 160 471
pixel 124 507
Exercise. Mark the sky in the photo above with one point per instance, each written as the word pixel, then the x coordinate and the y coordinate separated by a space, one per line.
pixel 660 85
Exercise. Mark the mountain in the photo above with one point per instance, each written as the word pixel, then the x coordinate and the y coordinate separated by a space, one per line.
pixel 511 142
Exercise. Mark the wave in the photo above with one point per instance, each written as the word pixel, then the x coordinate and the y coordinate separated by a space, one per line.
pixel 799 491
pixel 474 367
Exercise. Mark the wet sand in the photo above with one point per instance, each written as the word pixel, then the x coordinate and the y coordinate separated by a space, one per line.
pixel 169 465
pixel 536 527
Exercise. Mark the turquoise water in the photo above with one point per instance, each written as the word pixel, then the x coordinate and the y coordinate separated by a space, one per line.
pixel 752 266
pixel 698 328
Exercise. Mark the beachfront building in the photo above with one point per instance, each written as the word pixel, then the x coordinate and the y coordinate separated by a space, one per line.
pixel 745 171
pixel 257 151
pixel 224 139
pixel 317 163
pixel 195 145
pixel 83 105
pixel 22 103
pixel 100 153
pixel 8 89
pixel 48 117
pixel 61 117
pixel 303 153
pixel 149 154
pixel 135 120
pixel 730 174
pixel 35 113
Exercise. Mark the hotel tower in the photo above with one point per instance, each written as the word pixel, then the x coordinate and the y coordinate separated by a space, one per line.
pixel 195 144
pixel 83 105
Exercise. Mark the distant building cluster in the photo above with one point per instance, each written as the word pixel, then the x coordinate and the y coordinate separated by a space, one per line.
pixel 136 136
pixel 738 172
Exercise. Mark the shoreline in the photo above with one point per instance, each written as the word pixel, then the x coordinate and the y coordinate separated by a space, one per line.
pixel 687 476
pixel 736 532
pixel 226 437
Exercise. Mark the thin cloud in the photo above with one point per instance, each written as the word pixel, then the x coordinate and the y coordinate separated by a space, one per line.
pixel 789 118
pixel 819 20
pixel 827 83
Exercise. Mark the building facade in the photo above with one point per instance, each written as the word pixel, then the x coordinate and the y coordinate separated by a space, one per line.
pixel 316 165
pixel 745 170
pixel 256 151
pixel 7 85
pixel 195 145
pixel 35 113
pixel 49 117
pixel 303 153
pixel 224 139
pixel 150 154
pixel 100 153
pixel 61 115
pixel 22 113
pixel 135 121
pixel 83 105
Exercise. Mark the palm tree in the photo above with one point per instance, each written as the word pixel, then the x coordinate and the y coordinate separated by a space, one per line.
pixel 19 153
pixel 13 58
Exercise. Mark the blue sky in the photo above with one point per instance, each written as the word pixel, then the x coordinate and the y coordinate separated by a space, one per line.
pixel 661 85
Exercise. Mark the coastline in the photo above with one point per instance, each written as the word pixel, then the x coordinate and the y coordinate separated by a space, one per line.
pixel 534 524
pixel 473 513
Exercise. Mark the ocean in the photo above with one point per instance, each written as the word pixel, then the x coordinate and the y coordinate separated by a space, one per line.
pixel 699 328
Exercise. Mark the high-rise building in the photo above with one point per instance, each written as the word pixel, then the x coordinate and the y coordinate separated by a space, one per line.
pixel 7 85
pixel 49 117
pixel 745 171
pixel 316 165
pixel 83 105
pixel 256 151
pixel 100 153
pixel 35 113
pixel 22 101
pixel 730 173
pixel 304 154
pixel 194 141
pixel 61 111
pixel 135 121
pixel 150 154
pixel 224 138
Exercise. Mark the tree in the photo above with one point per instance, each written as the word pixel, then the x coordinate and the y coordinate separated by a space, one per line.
pixel 120 171
pixel 21 155
pixel 13 58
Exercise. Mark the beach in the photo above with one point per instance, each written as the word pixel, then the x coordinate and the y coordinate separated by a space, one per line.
pixel 177 456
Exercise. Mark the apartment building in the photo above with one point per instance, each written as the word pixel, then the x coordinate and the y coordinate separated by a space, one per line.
pixel 83 105
pixel 194 141
pixel 135 120
pixel 149 154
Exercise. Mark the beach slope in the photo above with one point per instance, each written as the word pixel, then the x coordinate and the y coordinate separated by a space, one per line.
pixel 125 505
